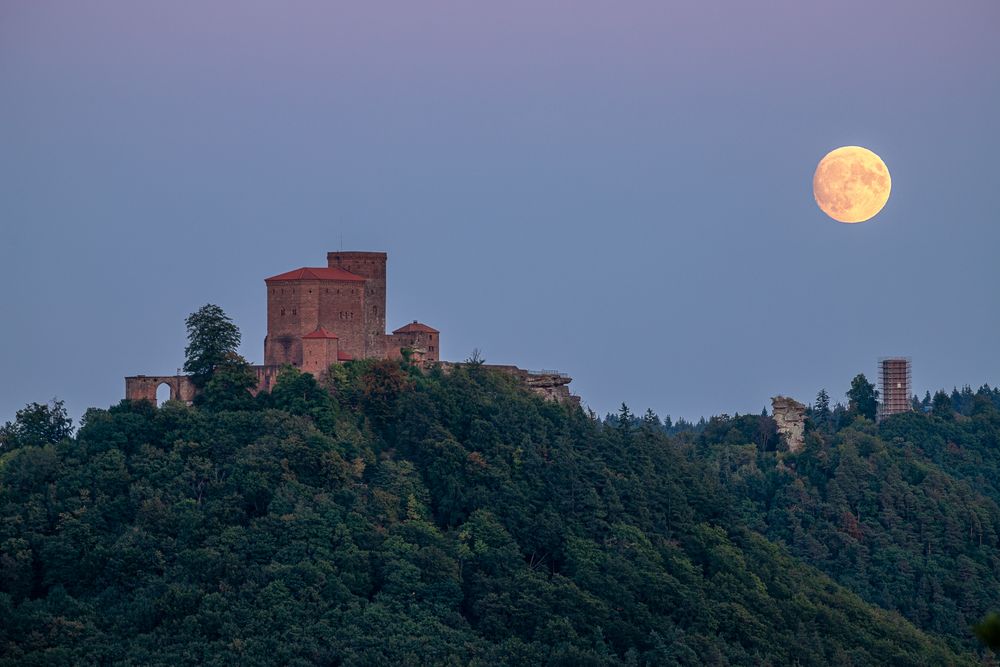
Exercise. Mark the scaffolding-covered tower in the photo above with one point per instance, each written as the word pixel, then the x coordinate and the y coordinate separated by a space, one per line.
pixel 894 378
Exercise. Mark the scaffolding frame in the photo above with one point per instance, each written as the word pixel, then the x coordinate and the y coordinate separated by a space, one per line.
pixel 895 383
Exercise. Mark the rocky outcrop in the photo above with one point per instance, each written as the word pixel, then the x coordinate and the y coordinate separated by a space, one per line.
pixel 550 385
pixel 790 416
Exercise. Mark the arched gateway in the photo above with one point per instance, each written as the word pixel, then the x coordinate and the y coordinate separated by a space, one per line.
pixel 143 387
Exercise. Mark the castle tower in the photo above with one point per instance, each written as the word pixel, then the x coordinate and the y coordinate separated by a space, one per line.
pixel 319 316
pixel 319 351
pixel 301 301
pixel 345 299
pixel 894 378
pixel 371 266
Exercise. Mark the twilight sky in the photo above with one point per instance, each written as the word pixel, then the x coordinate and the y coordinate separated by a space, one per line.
pixel 618 190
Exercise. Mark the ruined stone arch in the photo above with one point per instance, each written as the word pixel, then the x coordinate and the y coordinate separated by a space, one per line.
pixel 144 387
pixel 171 392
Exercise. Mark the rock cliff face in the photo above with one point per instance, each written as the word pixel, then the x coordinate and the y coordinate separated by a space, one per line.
pixel 551 385
pixel 790 416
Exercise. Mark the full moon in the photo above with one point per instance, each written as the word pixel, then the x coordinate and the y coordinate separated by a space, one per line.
pixel 851 184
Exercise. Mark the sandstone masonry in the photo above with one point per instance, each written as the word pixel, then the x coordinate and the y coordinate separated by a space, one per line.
pixel 320 316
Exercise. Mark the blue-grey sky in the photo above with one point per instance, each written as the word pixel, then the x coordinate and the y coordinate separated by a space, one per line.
pixel 619 190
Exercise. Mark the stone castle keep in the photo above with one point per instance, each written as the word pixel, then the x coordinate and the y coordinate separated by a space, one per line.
pixel 319 316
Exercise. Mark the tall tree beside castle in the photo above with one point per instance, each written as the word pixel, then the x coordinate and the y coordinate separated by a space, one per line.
pixel 863 397
pixel 212 339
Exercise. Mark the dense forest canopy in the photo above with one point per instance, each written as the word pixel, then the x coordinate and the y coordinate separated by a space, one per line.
pixel 398 516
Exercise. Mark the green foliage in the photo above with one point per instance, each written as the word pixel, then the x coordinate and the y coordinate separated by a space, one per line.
pixel 230 386
pixel 822 415
pixel 212 340
pixel 988 631
pixel 455 519
pixel 863 397
pixel 906 514
pixel 298 393
pixel 37 424
pixel 941 405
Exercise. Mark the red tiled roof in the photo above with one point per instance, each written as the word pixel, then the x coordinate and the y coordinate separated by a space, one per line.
pixel 416 327
pixel 343 356
pixel 320 333
pixel 319 273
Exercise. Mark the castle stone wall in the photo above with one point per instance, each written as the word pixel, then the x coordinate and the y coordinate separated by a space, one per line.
pixel 318 355
pixel 425 342
pixel 143 387
pixel 342 307
pixel 371 266
pixel 300 302
pixel 296 308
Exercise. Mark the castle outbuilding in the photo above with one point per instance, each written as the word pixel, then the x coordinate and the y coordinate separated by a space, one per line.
pixel 420 339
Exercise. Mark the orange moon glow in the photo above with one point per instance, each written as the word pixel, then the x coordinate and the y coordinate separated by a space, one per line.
pixel 851 184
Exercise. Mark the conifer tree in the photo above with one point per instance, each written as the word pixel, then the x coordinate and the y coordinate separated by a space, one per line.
pixel 863 397
pixel 625 421
pixel 212 339
pixel 821 409
pixel 941 405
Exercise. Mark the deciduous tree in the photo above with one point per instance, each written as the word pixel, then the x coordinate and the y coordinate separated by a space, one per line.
pixel 230 386
pixel 37 424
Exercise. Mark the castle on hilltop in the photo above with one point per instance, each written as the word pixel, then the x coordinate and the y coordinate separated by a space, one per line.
pixel 320 316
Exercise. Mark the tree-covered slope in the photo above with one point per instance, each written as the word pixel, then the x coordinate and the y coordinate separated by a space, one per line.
pixel 407 519
pixel 904 513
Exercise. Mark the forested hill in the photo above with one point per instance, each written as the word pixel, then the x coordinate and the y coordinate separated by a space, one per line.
pixel 452 520
pixel 905 513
